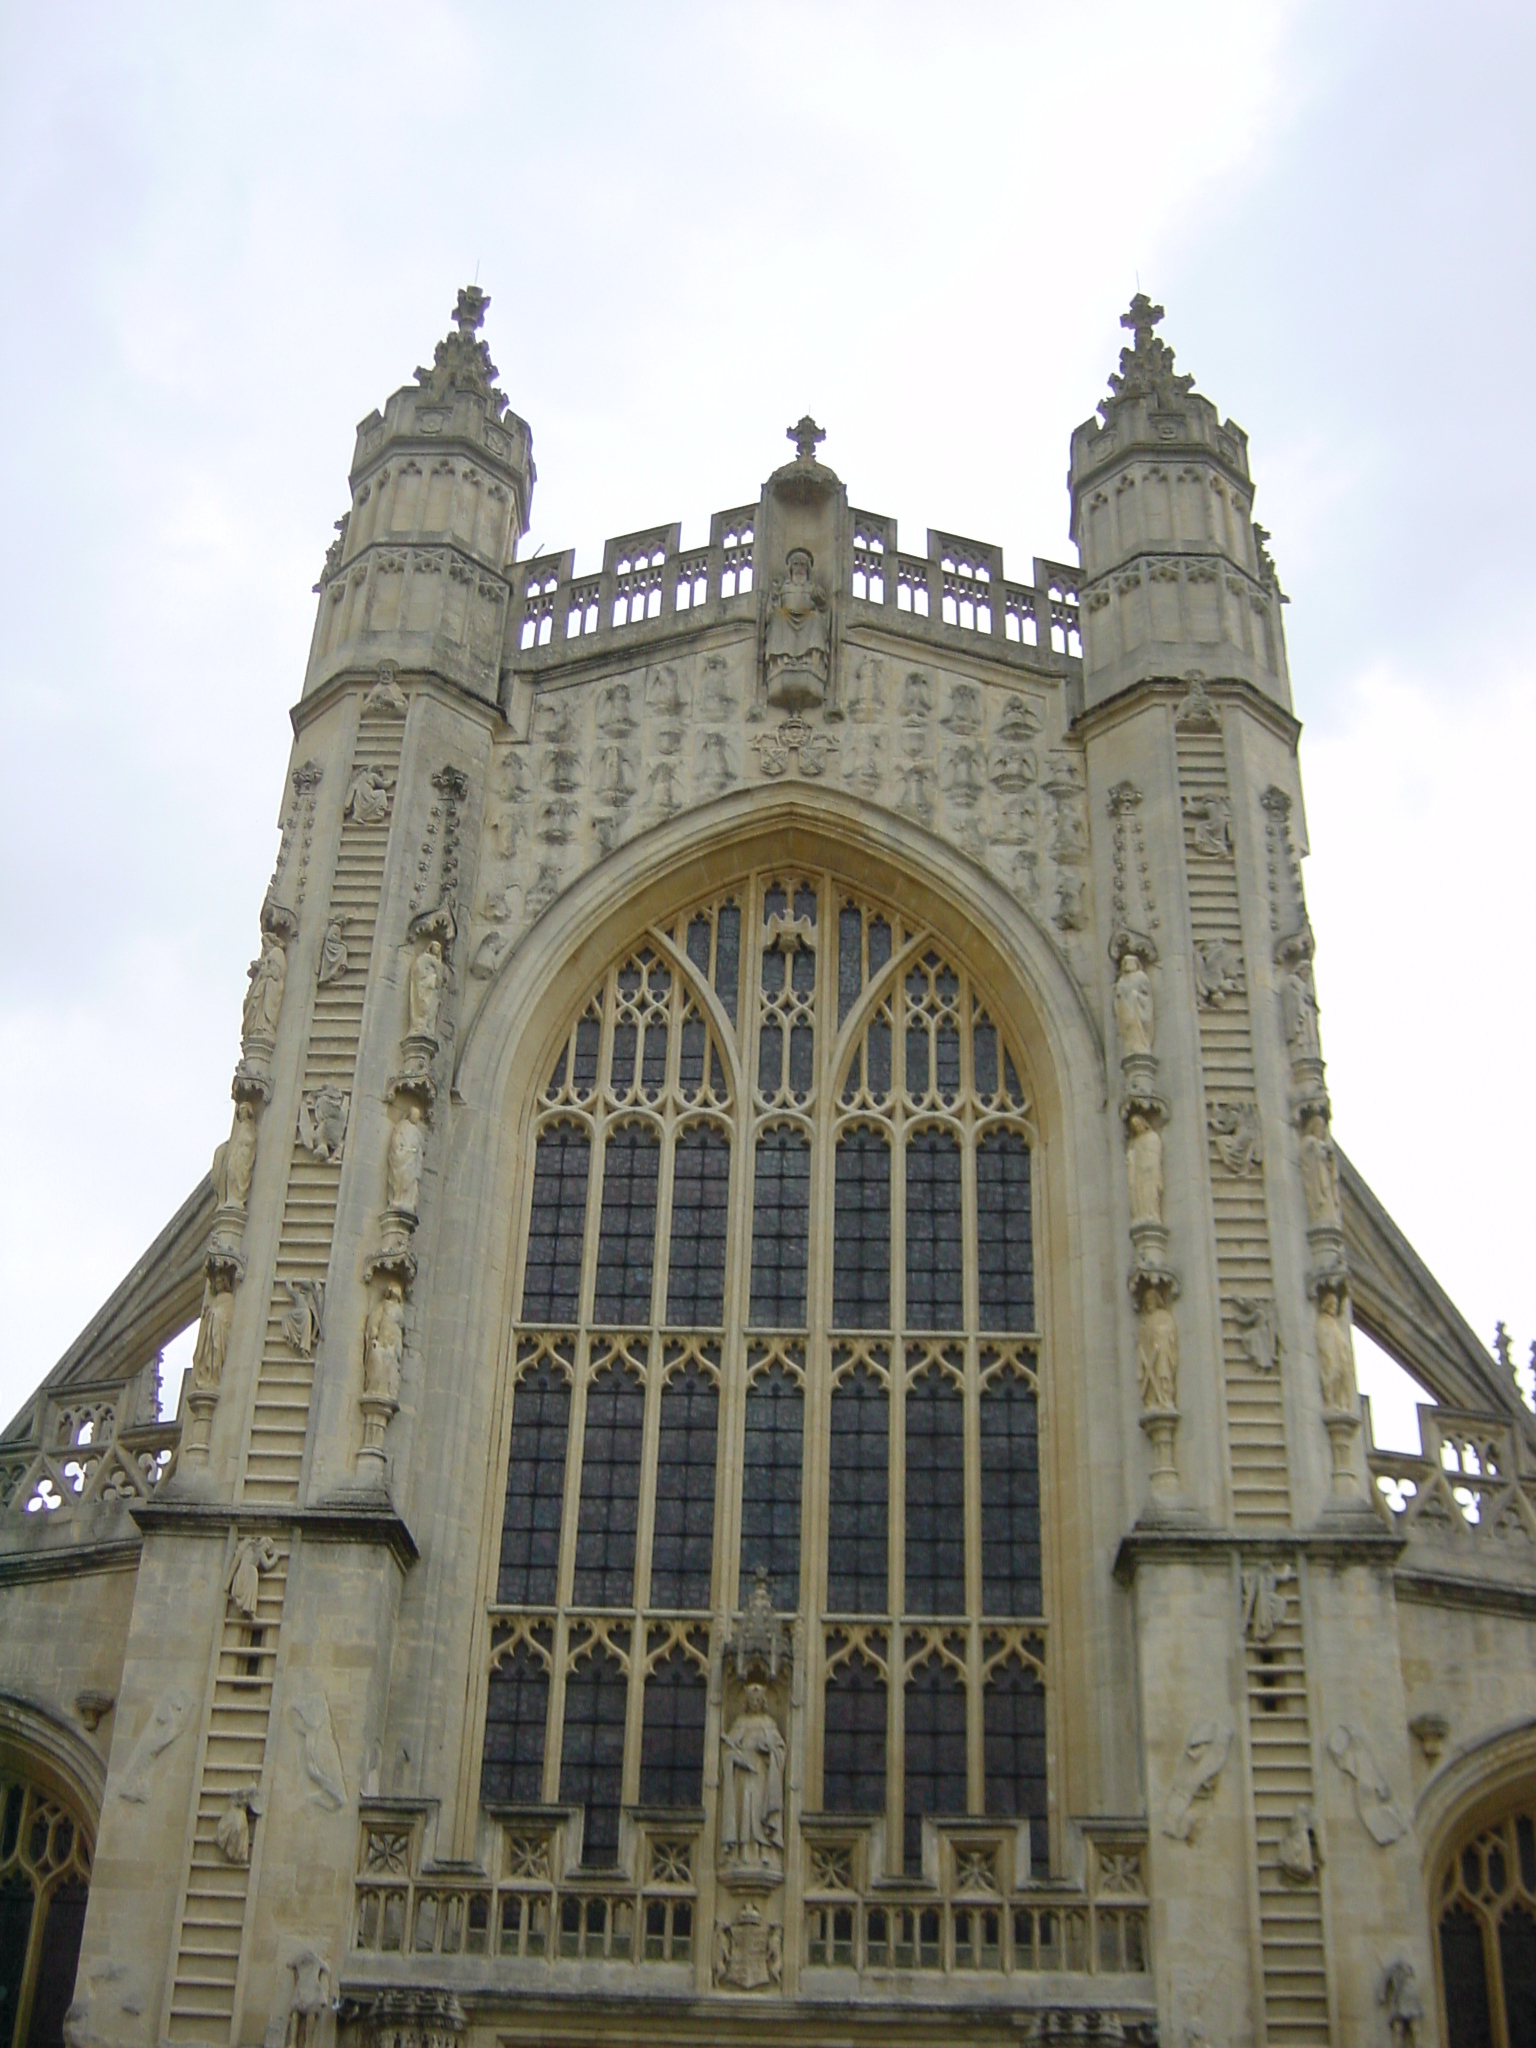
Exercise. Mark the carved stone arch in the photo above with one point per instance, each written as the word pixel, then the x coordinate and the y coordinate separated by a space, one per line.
pixel 38 1745
pixel 51 1786
pixel 1474 1784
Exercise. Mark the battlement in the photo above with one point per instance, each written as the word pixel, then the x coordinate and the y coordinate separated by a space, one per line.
pixel 651 586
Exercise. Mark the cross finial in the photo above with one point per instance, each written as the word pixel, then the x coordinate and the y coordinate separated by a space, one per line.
pixel 806 435
pixel 1141 319
pixel 469 313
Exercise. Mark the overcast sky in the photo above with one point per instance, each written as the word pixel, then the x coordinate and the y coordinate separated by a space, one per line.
pixel 227 234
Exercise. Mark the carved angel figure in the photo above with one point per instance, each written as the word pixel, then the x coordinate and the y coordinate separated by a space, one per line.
pixel 1239 1136
pixel 322 1758
pixel 311 1999
pixel 1157 1352
pixel 165 1724
pixel 368 798
pixel 264 997
pixel 1218 972
pixel 333 954
pixel 256 1554
pixel 1199 1766
pixel 384 1345
pixel 1320 1173
pixel 407 1142
pixel 235 1160
pixel 1210 820
pixel 1383 1819
pixel 1299 998
pixel 1296 1858
pixel 1144 1170
pixel 1335 1353
pixel 303 1319
pixel 752 1785
pixel 427 974
pixel 797 647
pixel 233 1833
pixel 212 1344
pixel 323 1118
pixel 1134 1016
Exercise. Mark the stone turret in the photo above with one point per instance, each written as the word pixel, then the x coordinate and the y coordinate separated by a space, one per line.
pixel 442 482
pixel 1175 573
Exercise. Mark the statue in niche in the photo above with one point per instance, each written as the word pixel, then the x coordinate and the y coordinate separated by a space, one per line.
pixel 717 700
pixel 1144 1169
pixel 384 1345
pixel 1335 1353
pixel 752 1786
pixel 1299 997
pixel 235 1160
pixel 333 954
pixel 212 1344
pixel 323 1115
pixel 1157 1351
pixel 797 647
pixel 427 976
pixel 407 1142
pixel 368 798
pixel 1320 1173
pixel 264 997
pixel 256 1554
pixel 1134 1017
pixel 1210 819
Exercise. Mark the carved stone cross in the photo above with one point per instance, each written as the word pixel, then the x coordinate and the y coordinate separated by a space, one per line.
pixel 806 436
pixel 1141 319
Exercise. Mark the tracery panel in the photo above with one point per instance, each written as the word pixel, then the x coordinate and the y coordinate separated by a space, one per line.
pixel 779 1226
pixel 1486 1912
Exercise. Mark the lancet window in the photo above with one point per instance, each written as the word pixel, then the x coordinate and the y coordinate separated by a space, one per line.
pixel 45 1873
pixel 1486 1923
pixel 776 1318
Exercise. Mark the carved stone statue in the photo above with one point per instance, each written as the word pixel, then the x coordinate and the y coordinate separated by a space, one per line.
pixel 162 1729
pixel 1133 1006
pixel 1299 996
pixel 1157 1351
pixel 235 1159
pixel 212 1345
pixel 1335 1353
pixel 1144 1169
pixel 323 1119
pixel 264 997
pixel 256 1554
pixel 1320 1174
pixel 233 1833
pixel 797 648
pixel 368 798
pixel 427 973
pixel 407 1142
pixel 304 1319
pixel 1381 1816
pixel 752 1786
pixel 384 1345
pixel 1400 1998
pixel 1200 1765
pixel 333 954
pixel 310 2001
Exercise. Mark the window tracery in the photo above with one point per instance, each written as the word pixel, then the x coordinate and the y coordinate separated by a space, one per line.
pixel 1486 1930
pixel 45 1873
pixel 779 1228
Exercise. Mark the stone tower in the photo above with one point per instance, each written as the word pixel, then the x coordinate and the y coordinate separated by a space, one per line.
pixel 772 1441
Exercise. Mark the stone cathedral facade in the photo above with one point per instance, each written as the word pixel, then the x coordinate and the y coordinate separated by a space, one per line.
pixel 772 1452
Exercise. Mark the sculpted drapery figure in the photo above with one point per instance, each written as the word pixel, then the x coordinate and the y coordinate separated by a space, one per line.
pixel 1133 1006
pixel 1144 1169
pixel 235 1159
pixel 1157 1352
pixel 333 954
pixel 406 1143
pixel 752 1785
pixel 384 1345
pixel 1320 1174
pixel 426 989
pixel 1335 1353
pixel 212 1345
pixel 264 997
pixel 1299 996
pixel 797 650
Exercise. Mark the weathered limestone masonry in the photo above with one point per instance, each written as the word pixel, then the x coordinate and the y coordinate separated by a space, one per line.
pixel 772 1446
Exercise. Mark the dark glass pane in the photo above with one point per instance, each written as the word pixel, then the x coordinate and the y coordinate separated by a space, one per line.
pixel 1005 1252
pixel 626 1040
pixel 781 1196
pixel 933 1780
pixel 728 957
pixel 683 1544
pixel 690 1056
pixel 556 1226
pixel 861 1243
pixel 1013 1713
pixel 984 1057
pixel 530 1527
pixel 1011 1088
pixel 610 1491
pixel 1010 1498
pixel 653 1058
pixel 1467 2003
pixel 516 1710
pixel 15 1930
pixel 1517 1958
pixel 853 1749
pixel 935 1236
pixel 877 1055
pixel 917 1059
pixel 770 1486
pixel 698 942
pixel 701 1185
pixel 850 960
pixel 672 1734
pixel 589 1038
pixel 946 1051
pixel 935 1421
pixel 56 1965
pixel 879 945
pixel 805 902
pixel 858 1495
pixel 592 1754
pixel 1525 1836
pixel 626 1238
pixel 801 1060
pixel 770 1059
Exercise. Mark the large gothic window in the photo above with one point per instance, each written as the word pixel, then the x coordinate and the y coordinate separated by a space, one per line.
pixel 1487 1933
pixel 45 1872
pixel 776 1322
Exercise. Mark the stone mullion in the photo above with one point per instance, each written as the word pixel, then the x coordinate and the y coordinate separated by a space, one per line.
pixel 816 1403
pixel 641 1590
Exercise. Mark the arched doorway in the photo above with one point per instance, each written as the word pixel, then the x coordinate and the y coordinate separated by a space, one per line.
pixel 45 1872
pixel 1485 1929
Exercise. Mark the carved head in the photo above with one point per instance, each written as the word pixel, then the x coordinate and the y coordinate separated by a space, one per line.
pixel 244 1113
pixel 1130 963
pixel 757 1699
pixel 1317 1126
pixel 1138 1124
pixel 798 562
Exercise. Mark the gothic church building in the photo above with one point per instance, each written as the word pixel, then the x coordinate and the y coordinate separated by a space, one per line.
pixel 772 1453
